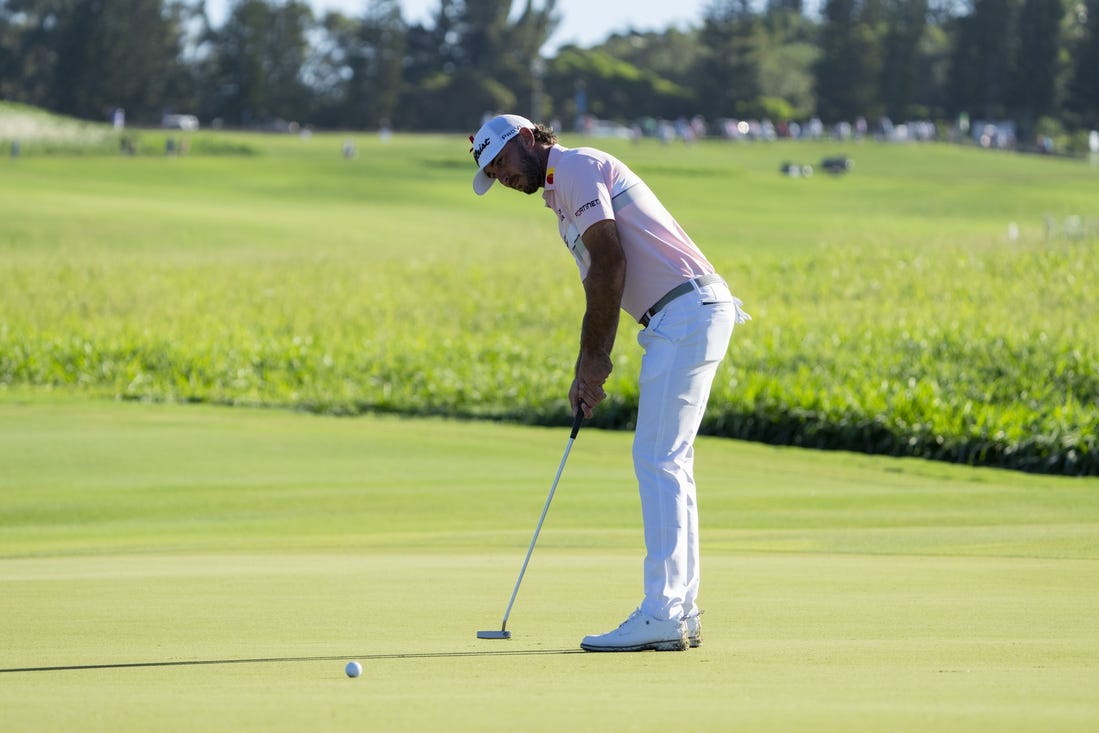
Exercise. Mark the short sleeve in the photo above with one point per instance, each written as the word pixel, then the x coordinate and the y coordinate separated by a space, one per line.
pixel 584 189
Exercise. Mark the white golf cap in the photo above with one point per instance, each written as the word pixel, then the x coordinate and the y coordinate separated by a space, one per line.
pixel 489 141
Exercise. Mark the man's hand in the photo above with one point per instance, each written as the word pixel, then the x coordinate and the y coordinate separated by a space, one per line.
pixel 587 389
pixel 603 287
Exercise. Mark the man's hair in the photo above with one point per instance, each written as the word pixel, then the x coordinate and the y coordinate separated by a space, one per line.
pixel 544 134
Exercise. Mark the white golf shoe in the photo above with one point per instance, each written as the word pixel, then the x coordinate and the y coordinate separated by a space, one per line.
pixel 639 633
pixel 694 630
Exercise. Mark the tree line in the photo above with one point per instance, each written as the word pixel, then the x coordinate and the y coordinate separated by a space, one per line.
pixel 1034 62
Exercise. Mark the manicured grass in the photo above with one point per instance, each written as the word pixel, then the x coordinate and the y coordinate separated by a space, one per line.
pixel 168 567
pixel 239 557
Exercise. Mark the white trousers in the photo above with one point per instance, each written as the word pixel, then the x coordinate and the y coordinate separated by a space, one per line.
pixel 683 343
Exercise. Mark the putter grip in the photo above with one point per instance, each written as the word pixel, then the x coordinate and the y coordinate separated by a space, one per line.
pixel 576 422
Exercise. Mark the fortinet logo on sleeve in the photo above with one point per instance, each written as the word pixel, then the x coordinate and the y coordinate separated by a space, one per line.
pixel 585 207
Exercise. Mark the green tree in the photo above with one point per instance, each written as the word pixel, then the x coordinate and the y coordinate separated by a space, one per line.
pixel 614 89
pixel 981 62
pixel 477 59
pixel 906 22
pixel 1033 84
pixel 788 56
pixel 728 75
pixel 670 54
pixel 850 66
pixel 259 60
pixel 118 53
pixel 784 7
pixel 367 78
pixel 932 71
pixel 327 71
pixel 1083 88
pixel 379 76
pixel 29 38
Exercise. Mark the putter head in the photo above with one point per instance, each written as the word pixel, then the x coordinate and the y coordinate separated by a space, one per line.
pixel 500 634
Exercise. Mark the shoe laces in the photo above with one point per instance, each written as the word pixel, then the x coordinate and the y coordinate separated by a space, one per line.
pixel 631 617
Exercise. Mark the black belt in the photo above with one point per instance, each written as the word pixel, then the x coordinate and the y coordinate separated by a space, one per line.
pixel 681 289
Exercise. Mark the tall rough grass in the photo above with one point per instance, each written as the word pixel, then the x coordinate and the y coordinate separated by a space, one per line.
pixel 234 284
pixel 983 357
pixel 26 129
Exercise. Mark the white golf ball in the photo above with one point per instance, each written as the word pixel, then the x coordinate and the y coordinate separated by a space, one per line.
pixel 353 669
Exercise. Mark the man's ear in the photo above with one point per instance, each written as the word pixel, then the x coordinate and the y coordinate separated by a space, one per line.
pixel 527 136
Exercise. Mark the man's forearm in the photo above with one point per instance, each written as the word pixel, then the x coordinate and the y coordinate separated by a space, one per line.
pixel 603 288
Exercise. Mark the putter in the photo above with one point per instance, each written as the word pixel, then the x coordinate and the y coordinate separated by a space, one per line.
pixel 503 633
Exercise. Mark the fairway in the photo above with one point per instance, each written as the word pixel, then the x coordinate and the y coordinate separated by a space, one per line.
pixel 168 567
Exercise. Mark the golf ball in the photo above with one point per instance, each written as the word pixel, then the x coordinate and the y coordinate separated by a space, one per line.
pixel 353 669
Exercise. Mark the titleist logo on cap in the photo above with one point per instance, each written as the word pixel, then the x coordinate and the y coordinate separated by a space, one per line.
pixel 480 149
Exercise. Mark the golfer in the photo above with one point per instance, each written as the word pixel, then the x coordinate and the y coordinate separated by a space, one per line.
pixel 633 256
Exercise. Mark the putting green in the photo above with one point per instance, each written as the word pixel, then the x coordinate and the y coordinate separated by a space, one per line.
pixel 193 568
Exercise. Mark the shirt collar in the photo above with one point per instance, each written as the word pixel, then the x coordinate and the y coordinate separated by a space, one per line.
pixel 549 186
pixel 551 165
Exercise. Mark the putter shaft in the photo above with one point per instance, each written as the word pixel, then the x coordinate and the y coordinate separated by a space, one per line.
pixel 504 634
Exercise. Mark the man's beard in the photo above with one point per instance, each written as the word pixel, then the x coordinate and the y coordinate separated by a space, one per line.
pixel 531 170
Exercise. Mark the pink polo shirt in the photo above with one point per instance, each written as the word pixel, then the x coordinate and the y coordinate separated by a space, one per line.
pixel 585 186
